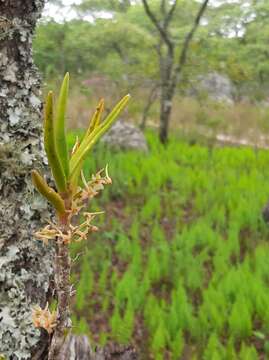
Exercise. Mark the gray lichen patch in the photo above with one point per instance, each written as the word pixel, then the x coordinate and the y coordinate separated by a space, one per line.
pixel 21 289
pixel 25 263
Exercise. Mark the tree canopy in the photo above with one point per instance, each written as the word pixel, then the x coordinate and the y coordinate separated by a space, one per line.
pixel 120 42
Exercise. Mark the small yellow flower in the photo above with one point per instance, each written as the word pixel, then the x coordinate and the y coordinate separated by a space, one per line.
pixel 93 187
pixel 47 233
pixel 79 201
pixel 51 231
pixel 43 318
pixel 82 231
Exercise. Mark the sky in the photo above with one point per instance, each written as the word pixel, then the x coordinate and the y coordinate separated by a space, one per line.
pixel 60 14
pixel 66 13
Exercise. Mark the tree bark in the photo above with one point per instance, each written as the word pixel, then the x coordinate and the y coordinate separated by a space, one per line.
pixel 25 264
pixel 166 66
pixel 165 112
pixel 78 348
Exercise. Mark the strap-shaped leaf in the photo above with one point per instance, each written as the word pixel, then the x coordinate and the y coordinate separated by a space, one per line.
pixel 49 143
pixel 60 136
pixel 74 179
pixel 44 189
pixel 76 161
pixel 95 120
pixel 75 146
pixel 104 125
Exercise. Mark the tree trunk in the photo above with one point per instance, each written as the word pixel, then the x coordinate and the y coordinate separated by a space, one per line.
pixel 26 265
pixel 165 113
pixel 167 93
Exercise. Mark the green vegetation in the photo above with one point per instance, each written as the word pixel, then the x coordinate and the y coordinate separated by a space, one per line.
pixel 182 267
pixel 116 54
pixel 68 202
pixel 233 40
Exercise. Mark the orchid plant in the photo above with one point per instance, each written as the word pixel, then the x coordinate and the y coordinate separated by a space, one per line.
pixel 69 200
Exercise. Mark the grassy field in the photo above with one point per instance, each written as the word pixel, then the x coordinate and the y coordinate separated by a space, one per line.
pixel 180 266
pixel 191 117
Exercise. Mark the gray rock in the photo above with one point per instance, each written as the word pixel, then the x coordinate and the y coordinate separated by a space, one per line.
pixel 264 103
pixel 125 136
pixel 218 87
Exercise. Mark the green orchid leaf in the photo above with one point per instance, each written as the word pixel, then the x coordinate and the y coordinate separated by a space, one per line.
pixel 74 179
pixel 50 148
pixel 60 136
pixel 76 161
pixel 44 189
pixel 95 120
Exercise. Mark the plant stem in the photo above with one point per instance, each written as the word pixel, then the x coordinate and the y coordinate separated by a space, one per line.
pixel 63 289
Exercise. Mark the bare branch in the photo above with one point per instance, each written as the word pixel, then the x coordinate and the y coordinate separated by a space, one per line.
pixel 158 26
pixel 187 41
pixel 170 14
pixel 163 7
pixel 183 55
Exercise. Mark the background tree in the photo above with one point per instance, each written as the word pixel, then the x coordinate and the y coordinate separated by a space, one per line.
pixel 170 63
pixel 25 264
pixel 119 47
pixel 130 44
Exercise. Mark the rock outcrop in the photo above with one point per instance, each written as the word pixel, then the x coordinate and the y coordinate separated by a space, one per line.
pixel 125 136
pixel 217 87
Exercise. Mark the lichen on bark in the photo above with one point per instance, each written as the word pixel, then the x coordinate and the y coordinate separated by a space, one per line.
pixel 25 264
